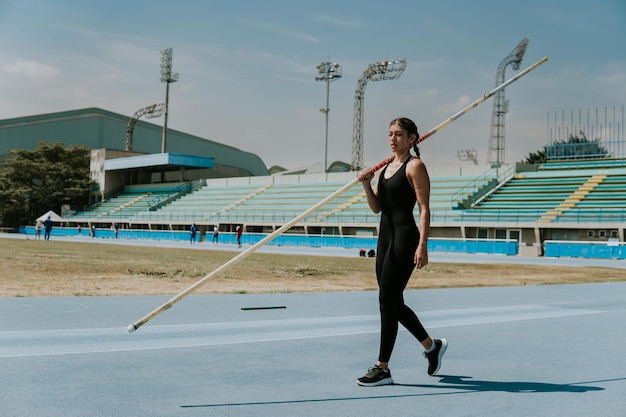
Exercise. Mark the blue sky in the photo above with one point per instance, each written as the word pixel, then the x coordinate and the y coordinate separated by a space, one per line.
pixel 247 68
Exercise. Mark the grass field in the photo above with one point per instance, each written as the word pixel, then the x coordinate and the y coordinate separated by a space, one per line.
pixel 33 268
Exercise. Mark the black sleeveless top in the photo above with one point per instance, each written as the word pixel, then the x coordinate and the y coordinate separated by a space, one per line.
pixel 398 234
pixel 397 198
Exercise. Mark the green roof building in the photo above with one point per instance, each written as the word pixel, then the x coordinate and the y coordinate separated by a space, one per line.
pixel 100 129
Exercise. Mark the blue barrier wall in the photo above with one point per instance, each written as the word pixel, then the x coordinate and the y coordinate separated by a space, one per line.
pixel 495 247
pixel 110 233
pixel 600 250
pixel 589 250
pixel 499 247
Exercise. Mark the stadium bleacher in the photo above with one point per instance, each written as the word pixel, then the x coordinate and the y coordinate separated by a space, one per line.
pixel 570 194
pixel 271 201
pixel 575 192
pixel 132 201
pixel 523 207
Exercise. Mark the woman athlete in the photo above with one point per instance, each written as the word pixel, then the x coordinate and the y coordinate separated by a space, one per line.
pixel 401 246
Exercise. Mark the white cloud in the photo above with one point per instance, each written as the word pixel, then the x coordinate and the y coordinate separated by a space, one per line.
pixel 616 74
pixel 279 30
pixel 31 69
pixel 338 21
pixel 453 108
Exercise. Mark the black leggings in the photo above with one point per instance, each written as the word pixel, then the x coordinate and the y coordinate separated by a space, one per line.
pixel 394 265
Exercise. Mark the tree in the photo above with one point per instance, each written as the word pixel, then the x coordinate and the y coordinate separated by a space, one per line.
pixel 575 147
pixel 33 182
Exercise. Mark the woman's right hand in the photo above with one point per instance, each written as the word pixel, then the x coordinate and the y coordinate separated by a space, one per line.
pixel 366 176
pixel 371 194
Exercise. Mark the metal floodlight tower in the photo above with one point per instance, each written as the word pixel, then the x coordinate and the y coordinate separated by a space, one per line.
pixel 378 71
pixel 167 77
pixel 501 105
pixel 328 72
pixel 151 111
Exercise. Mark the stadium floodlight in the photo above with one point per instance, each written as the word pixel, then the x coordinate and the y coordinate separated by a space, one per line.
pixel 386 70
pixel 468 155
pixel 328 72
pixel 378 71
pixel 167 77
pixel 150 112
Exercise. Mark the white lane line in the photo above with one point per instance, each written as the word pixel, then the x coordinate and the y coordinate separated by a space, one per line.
pixel 80 341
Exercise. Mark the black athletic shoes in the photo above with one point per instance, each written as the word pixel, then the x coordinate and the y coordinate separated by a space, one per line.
pixel 434 357
pixel 375 376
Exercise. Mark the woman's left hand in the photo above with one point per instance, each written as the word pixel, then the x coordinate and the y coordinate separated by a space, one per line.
pixel 421 257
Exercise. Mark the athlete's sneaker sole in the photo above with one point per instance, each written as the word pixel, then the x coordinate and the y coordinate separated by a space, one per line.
pixel 386 381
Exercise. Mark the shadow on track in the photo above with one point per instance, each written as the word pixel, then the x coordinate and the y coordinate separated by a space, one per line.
pixel 467 383
pixel 457 385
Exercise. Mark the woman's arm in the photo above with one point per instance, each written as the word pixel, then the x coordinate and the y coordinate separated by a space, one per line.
pixel 418 176
pixel 371 194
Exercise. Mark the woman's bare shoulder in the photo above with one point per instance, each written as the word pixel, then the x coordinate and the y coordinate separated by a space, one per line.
pixel 416 165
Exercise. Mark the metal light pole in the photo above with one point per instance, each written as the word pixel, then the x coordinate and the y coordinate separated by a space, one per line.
pixel 328 72
pixel 151 111
pixel 378 71
pixel 496 150
pixel 167 77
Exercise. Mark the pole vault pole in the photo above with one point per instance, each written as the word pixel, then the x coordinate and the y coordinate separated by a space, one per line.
pixel 165 306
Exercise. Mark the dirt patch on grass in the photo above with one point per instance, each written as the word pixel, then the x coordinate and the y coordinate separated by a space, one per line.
pixel 38 269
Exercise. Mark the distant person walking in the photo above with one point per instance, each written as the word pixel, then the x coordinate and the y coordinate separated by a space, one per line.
pixel 116 228
pixel 193 230
pixel 216 235
pixel 238 233
pixel 38 229
pixel 47 224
